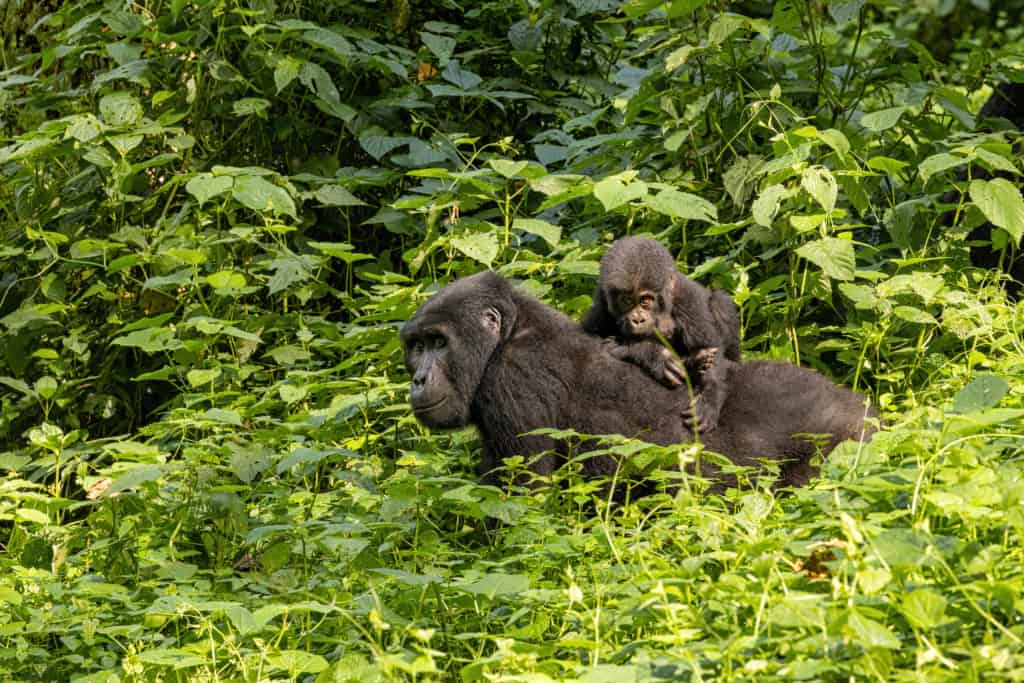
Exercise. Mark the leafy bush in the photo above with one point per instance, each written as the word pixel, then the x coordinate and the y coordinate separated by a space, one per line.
pixel 216 215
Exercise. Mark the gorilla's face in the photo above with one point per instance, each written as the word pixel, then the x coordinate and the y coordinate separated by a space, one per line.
pixel 448 343
pixel 638 312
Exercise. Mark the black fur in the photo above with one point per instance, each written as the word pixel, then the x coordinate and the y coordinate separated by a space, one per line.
pixel 688 315
pixel 511 364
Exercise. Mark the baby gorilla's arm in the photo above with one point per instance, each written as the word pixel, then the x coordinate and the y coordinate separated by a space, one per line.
pixel 656 360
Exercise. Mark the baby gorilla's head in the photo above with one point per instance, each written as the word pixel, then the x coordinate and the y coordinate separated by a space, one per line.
pixel 636 285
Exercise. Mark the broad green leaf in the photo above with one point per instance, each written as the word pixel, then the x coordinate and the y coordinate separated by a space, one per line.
pixel 1000 201
pixel 441 46
pixel 834 256
pixel 683 205
pixel 767 204
pixel 498 583
pixel 247 463
pixel 914 315
pixel 836 140
pixel 226 279
pixel 983 392
pixel 997 161
pixel 46 386
pixel 287 272
pixel 286 71
pixel 937 163
pixel 887 165
pixel 883 119
pixel 247 106
pixel 335 43
pixel 507 168
pixel 297 661
pixel 869 633
pixel 83 127
pixel 120 109
pixel 549 233
pixel 174 658
pixel 459 77
pixel 222 415
pixel 924 608
pixel 482 247
pixel 206 186
pixel 260 195
pixel 339 250
pixel 336 195
pixel 291 393
pixel 134 477
pixel 201 378
pixel 613 193
pixel 820 184
pixel 150 340
pixel 32 515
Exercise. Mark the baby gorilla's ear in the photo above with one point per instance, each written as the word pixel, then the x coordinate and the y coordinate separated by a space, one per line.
pixel 492 320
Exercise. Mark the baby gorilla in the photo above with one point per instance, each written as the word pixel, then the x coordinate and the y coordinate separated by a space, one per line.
pixel 642 296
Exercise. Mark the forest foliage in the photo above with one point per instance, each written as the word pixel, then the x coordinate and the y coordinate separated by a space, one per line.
pixel 216 214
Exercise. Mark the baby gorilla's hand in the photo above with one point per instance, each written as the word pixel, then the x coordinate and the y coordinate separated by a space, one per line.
pixel 672 372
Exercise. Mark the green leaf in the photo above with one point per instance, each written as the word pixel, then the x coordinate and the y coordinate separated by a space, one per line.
pixel 150 340
pixel 286 71
pixel 613 193
pixel 339 250
pixel 297 661
pixel 997 161
pixel 482 247
pixel 206 186
pixel 836 140
pixel 201 378
pixel 869 633
pixel 834 256
pixel 336 195
pixel 226 279
pixel 683 205
pixel 1000 201
pixel 221 415
pixel 260 195
pixel 507 168
pixel 914 315
pixel 983 392
pixel 498 583
pixel 820 184
pixel 134 477
pixel 120 109
pixel 883 119
pixel 247 106
pixel 924 608
pixel 937 163
pixel 441 46
pixel 174 658
pixel 46 386
pixel 549 233
pixel 767 204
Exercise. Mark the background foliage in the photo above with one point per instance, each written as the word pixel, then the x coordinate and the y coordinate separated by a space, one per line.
pixel 216 214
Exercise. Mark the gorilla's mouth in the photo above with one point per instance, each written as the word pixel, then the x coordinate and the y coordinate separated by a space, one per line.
pixel 430 406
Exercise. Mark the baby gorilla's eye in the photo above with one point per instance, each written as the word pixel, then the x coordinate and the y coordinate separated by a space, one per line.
pixel 416 346
pixel 439 342
pixel 647 301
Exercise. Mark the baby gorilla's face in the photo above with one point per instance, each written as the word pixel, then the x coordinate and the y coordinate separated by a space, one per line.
pixel 640 313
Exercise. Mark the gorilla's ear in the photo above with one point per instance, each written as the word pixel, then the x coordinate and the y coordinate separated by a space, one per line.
pixel 492 320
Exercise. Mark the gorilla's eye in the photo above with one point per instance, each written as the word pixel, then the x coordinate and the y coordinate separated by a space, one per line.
pixel 439 342
pixel 647 301
pixel 624 301
pixel 416 346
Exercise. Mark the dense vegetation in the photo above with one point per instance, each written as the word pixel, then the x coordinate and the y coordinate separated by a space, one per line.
pixel 215 216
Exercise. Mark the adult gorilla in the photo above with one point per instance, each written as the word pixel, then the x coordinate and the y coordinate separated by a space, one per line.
pixel 482 353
